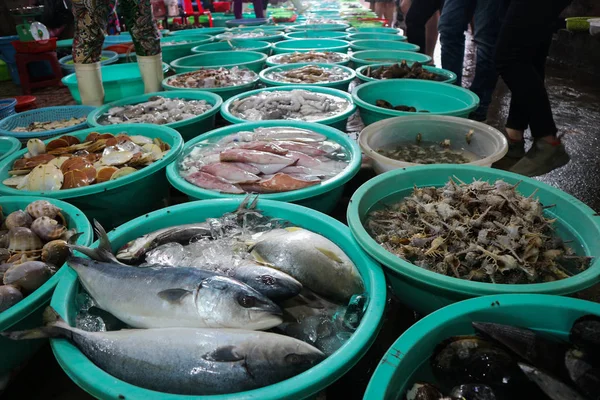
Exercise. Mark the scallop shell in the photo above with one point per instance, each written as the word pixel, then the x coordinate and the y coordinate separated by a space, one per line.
pixel 140 140
pixel 155 150
pixel 116 158
pixel 28 276
pixel 18 219
pixel 58 161
pixel 74 179
pixel 15 181
pixel 45 178
pixel 23 239
pixel 104 174
pixel 47 228
pixel 36 147
pixel 122 172
pixel 42 208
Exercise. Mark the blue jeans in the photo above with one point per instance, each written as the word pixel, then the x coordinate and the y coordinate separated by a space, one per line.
pixel 454 21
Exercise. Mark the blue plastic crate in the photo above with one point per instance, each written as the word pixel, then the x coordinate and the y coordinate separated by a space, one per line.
pixel 42 115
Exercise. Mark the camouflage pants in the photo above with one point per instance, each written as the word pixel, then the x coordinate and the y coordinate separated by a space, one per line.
pixel 91 17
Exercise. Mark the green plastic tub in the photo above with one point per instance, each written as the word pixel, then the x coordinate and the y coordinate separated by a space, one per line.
pixel 252 60
pixel 427 291
pixel 234 45
pixel 220 19
pixel 123 199
pixel 119 81
pixel 8 145
pixel 435 97
pixel 27 314
pixel 340 85
pixel 198 31
pixel 320 27
pixel 189 128
pixel 173 52
pixel 273 61
pixel 271 36
pixel 103 386
pixel 360 72
pixel 384 30
pixel 407 360
pixel 256 28
pixel 304 45
pixel 317 35
pixel 366 57
pixel 323 197
pixel 378 44
pixel 375 36
pixel 224 92
pixel 339 121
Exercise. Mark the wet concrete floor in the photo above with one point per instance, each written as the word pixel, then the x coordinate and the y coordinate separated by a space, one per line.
pixel 576 103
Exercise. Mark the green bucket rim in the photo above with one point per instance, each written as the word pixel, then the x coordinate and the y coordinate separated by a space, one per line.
pixel 169 88
pixel 376 36
pixel 71 79
pixel 384 30
pixel 432 279
pixel 278 35
pixel 271 82
pixel 211 98
pixel 12 143
pixel 440 71
pixel 337 46
pixel 392 360
pixel 262 58
pixel 164 131
pixel 318 89
pixel 295 195
pixel 339 35
pixel 272 63
pixel 197 31
pixel 402 55
pixel 82 370
pixel 36 299
pixel 319 27
pixel 262 46
pixel 360 45
pixel 408 82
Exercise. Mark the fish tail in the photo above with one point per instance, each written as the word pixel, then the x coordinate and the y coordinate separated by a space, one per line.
pixel 103 252
pixel 55 326
pixel 105 244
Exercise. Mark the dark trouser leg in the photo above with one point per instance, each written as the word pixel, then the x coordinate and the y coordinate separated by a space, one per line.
pixel 141 24
pixel 237 9
pixel 91 18
pixel 454 20
pixel 419 13
pixel 258 8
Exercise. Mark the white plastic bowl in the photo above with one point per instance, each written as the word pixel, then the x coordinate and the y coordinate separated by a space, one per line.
pixel 487 143
pixel 594 26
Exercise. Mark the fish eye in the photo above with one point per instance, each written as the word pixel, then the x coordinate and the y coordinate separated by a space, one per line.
pixel 267 280
pixel 247 301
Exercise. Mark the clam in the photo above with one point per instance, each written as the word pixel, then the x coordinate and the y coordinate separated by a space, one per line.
pixel 45 178
pixel 23 239
pixel 28 276
pixel 18 219
pixel 47 228
pixel 36 147
pixel 116 158
pixel 55 252
pixel 9 296
pixel 122 172
pixel 42 208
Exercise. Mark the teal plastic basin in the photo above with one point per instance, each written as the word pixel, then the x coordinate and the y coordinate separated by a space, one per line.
pixel 426 291
pixel 304 45
pixel 255 28
pixel 273 61
pixel 317 35
pixel 340 85
pixel 375 36
pixel 377 44
pixel 224 92
pixel 248 45
pixel 189 128
pixel 101 385
pixel 271 36
pixel 220 19
pixel 366 57
pixel 387 31
pixel 436 97
pixel 320 27
pixel 175 51
pixel 198 31
pixel 123 199
pixel 252 60
pixel 27 314
pixel 68 67
pixel 360 72
pixel 338 121
pixel 407 360
pixel 119 81
pixel 323 197
pixel 8 145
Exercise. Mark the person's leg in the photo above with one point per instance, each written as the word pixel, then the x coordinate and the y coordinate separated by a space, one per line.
pixel 522 44
pixel 258 8
pixel 454 19
pixel 431 33
pixel 390 12
pixel 146 40
pixel 237 9
pixel 90 24
pixel 487 25
pixel 419 12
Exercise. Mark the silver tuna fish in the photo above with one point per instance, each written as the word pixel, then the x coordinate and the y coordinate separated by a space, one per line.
pixel 161 297
pixel 184 360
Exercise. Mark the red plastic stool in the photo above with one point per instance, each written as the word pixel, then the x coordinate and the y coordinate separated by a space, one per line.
pixel 23 59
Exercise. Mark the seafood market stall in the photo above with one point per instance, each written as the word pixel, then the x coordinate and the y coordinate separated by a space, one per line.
pixel 298 210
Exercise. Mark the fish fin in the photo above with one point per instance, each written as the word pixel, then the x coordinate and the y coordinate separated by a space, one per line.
pixel 174 296
pixel 73 239
pixel 223 354
pixel 55 326
pixel 330 254
pixel 105 244
pixel 91 253
pixel 260 260
pixel 293 228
